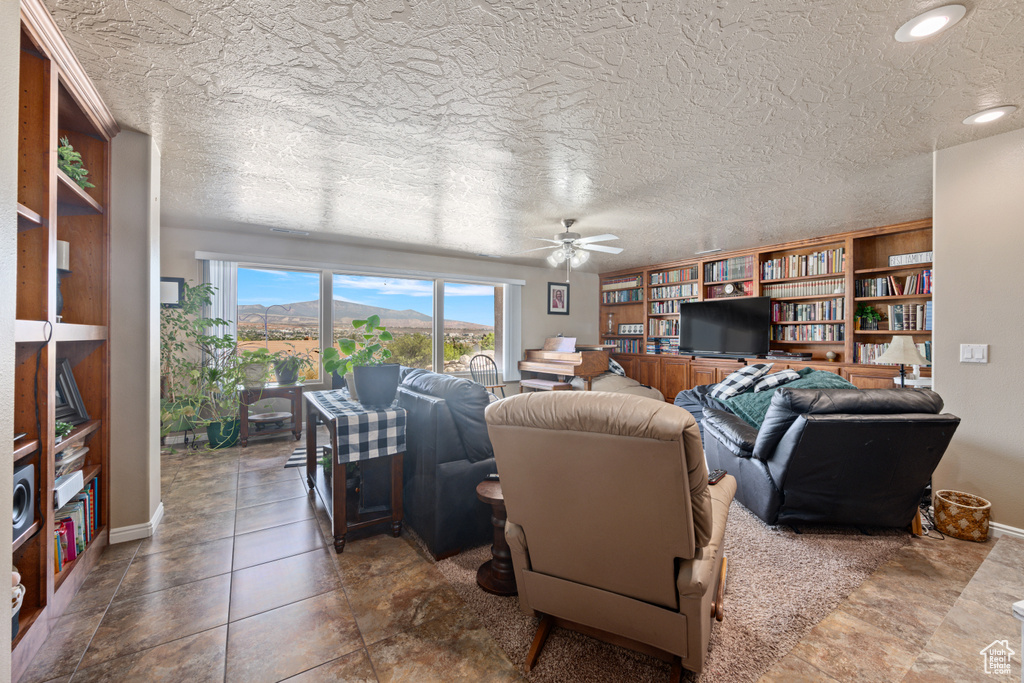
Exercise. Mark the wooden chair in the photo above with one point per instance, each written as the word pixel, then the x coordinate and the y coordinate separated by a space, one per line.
pixel 485 372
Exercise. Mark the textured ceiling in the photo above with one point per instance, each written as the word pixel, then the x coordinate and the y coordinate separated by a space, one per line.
pixel 469 125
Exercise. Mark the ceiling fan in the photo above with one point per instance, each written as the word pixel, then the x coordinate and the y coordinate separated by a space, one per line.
pixel 572 249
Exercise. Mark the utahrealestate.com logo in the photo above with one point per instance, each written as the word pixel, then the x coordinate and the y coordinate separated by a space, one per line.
pixel 997 657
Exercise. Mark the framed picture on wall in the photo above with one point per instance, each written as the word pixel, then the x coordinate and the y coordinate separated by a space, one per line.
pixel 558 298
pixel 171 289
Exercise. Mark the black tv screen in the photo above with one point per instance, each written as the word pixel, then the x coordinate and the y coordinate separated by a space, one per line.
pixel 734 327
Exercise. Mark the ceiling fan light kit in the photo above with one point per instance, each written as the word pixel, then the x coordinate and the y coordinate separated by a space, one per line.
pixel 573 249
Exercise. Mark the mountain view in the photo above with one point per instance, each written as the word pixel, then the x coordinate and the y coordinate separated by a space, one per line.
pixel 305 314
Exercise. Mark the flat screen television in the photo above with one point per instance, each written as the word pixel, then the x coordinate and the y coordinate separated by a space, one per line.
pixel 725 327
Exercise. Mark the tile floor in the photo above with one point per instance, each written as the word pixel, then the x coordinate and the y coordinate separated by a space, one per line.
pixel 249 590
pixel 240 584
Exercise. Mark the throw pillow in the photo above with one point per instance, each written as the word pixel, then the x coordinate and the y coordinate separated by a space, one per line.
pixel 740 381
pixel 613 366
pixel 769 382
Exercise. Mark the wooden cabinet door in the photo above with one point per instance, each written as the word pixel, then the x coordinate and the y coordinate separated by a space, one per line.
pixel 701 374
pixel 868 377
pixel 675 377
pixel 648 371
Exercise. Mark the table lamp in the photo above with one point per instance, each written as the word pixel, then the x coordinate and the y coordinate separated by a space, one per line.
pixel 903 352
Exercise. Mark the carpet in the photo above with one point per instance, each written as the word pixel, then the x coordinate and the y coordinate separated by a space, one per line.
pixel 298 456
pixel 780 585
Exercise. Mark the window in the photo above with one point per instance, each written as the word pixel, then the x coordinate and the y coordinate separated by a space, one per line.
pixel 280 310
pixel 405 307
pixel 472 324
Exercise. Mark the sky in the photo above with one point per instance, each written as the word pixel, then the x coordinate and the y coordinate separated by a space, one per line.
pixel 463 302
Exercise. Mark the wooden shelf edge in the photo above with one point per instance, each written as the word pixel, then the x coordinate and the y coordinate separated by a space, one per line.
pixel 89 473
pixel 808 322
pixel 893 269
pixel 25 621
pixel 69 193
pixel 625 303
pixel 27 218
pixel 29 330
pixel 65 332
pixel 26 449
pixel 709 283
pixel 833 343
pixel 898 297
pixel 888 332
pixel 27 534
pixel 77 434
pixel 827 276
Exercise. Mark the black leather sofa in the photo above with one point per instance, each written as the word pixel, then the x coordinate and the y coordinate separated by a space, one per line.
pixel 448 453
pixel 833 456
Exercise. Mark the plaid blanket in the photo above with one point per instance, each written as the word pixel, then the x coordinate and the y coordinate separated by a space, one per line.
pixel 362 434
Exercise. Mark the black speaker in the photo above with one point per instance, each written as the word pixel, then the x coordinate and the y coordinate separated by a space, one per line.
pixel 24 499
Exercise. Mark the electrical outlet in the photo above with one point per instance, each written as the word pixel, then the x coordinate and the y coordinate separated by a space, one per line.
pixel 974 353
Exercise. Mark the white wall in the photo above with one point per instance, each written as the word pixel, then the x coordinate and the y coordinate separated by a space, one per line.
pixel 979 247
pixel 9 53
pixel 178 247
pixel 134 336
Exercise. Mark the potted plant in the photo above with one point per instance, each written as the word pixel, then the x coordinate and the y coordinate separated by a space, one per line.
pixel 867 317
pixel 201 369
pixel 257 363
pixel 371 380
pixel 287 366
pixel 62 429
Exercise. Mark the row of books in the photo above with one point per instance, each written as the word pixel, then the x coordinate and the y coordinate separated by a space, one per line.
pixel 831 309
pixel 75 524
pixel 663 307
pixel 622 296
pixel 827 262
pixel 826 332
pixel 867 353
pixel 681 275
pixel 805 288
pixel 663 347
pixel 718 291
pixel 910 316
pixel 622 283
pixel 625 345
pixel 734 268
pixel 921 283
pixel 674 291
pixel 663 327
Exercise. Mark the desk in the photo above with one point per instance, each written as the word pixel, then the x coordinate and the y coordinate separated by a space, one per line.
pixel 357 434
pixel 250 397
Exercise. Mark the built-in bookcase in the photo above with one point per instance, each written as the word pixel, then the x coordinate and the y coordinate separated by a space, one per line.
pixel 57 100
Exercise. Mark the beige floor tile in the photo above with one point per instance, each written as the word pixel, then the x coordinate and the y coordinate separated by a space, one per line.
pixel 159 571
pixel 64 646
pixel 277 542
pixel 196 659
pixel 353 668
pixel 281 582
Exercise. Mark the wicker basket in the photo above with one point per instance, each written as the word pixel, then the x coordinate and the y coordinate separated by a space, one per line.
pixel 962 515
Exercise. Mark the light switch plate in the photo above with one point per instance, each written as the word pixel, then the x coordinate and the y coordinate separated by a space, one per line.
pixel 974 353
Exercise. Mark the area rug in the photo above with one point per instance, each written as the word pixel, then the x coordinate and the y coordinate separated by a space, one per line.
pixel 298 456
pixel 780 585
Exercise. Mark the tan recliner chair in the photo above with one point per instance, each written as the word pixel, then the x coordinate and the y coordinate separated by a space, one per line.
pixel 613 527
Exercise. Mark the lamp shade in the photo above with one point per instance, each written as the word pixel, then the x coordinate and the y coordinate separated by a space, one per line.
pixel 902 351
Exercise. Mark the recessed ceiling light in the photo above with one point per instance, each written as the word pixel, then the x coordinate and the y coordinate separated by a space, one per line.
pixel 989 115
pixel 930 23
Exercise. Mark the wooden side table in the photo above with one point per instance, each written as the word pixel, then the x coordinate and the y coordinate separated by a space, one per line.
pixel 357 435
pixel 250 397
pixel 496 575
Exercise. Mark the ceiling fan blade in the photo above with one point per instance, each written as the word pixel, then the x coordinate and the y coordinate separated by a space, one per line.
pixel 537 249
pixel 597 238
pixel 544 239
pixel 601 247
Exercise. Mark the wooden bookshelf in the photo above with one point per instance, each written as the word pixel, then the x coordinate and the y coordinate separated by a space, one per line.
pixel 56 100
pixel 839 260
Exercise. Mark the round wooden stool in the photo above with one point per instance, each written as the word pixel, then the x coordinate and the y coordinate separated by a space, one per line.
pixel 496 575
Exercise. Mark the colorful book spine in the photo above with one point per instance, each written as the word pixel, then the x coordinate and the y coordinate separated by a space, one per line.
pixel 827 262
pixel 805 288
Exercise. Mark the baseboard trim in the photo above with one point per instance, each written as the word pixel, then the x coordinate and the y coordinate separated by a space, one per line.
pixel 137 531
pixel 996 530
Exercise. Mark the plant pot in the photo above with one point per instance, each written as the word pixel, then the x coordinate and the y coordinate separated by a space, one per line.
pixel 223 434
pixel 377 384
pixel 256 375
pixel 337 381
pixel 350 382
pixel 286 373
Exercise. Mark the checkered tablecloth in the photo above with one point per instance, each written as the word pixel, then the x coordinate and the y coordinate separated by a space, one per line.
pixel 363 433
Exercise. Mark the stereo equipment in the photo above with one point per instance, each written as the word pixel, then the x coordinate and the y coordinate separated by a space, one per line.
pixel 24 499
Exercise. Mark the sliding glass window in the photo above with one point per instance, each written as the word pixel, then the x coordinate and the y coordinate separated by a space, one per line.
pixel 405 307
pixel 472 324
pixel 280 310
